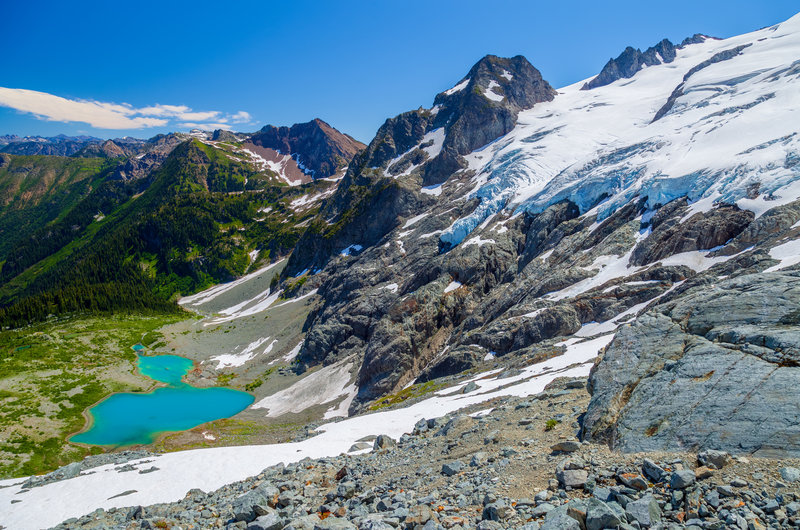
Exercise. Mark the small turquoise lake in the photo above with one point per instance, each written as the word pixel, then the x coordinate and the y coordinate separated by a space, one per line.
pixel 138 418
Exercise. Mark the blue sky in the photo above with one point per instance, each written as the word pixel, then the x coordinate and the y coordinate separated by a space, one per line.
pixel 142 68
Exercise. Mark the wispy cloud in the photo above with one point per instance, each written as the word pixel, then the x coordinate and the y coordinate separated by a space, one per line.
pixel 104 115
pixel 205 126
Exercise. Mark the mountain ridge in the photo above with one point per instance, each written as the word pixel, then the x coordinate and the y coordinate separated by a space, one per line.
pixel 509 238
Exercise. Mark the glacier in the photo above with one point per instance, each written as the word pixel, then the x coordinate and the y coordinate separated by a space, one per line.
pixel 726 134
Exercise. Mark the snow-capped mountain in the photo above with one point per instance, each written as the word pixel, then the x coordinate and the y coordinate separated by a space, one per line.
pixel 602 201
pixel 641 227
pixel 718 124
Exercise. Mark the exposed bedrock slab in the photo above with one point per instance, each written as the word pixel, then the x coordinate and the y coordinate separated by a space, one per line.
pixel 716 369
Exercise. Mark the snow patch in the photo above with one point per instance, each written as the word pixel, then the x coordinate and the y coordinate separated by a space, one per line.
pixel 491 92
pixel 458 88
pixel 212 468
pixel 391 287
pixel 414 220
pixel 478 241
pixel 788 253
pixel 452 286
pixel 213 292
pixel 228 360
pixel 324 385
pixel 434 190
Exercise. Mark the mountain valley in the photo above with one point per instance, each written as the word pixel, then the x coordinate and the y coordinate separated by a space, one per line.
pixel 594 278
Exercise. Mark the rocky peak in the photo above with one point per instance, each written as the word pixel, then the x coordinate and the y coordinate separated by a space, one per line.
pixel 630 61
pixel 426 143
pixel 108 149
pixel 221 135
pixel 697 38
pixel 480 108
pixel 511 82
pixel 318 148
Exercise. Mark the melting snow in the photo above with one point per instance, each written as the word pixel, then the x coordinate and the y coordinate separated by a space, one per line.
pixel 245 309
pixel 458 88
pixel 414 220
pixel 431 234
pixel 213 292
pixel 434 190
pixel 437 137
pixel 292 354
pixel 788 253
pixel 490 91
pixel 452 286
pixel 298 298
pixel 478 241
pixel 324 385
pixel 249 352
pixel 209 469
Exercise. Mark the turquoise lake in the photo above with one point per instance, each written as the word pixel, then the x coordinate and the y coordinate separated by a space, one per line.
pixel 138 418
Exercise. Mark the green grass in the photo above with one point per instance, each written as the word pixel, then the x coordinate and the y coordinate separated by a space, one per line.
pixel 414 391
pixel 50 373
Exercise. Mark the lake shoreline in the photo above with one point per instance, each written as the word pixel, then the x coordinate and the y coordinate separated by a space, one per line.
pixel 159 373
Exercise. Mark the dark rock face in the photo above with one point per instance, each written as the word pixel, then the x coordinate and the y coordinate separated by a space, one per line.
pixel 630 61
pixel 320 148
pixel 697 38
pixel 396 136
pixel 361 212
pixel 367 204
pixel 152 154
pixel 482 110
pixel 715 369
pixel 473 118
pixel 544 227
pixel 221 135
pixel 701 231
pixel 455 361
pixel 770 224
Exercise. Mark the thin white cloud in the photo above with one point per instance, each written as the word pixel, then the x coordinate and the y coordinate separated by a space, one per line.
pixel 242 117
pixel 205 126
pixel 103 115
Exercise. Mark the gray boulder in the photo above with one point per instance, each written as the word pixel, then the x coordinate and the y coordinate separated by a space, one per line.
pixel 790 474
pixel 644 510
pixel 383 442
pixel 271 521
pixel 558 519
pixel 572 478
pixel 599 515
pixel 717 458
pixel 682 479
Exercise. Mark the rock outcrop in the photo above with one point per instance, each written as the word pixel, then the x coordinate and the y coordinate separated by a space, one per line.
pixel 716 368
pixel 426 145
pixel 316 146
pixel 630 61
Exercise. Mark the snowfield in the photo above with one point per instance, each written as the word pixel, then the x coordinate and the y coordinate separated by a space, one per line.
pixel 733 129
pixel 728 133
pixel 209 469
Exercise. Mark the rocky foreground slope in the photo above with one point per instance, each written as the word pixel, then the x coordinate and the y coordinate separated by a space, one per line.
pixel 645 223
pixel 514 465
pixel 660 204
